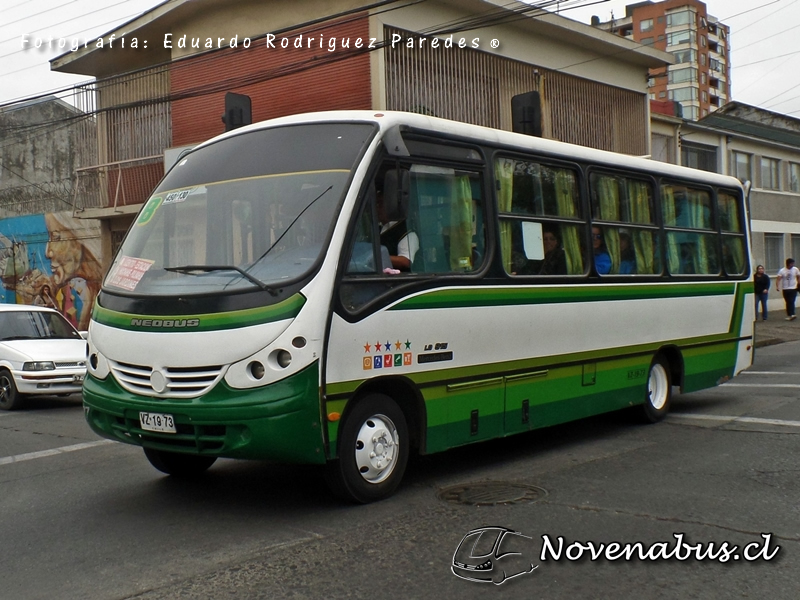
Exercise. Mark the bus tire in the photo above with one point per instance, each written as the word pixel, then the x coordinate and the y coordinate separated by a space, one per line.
pixel 179 465
pixel 10 398
pixel 373 451
pixel 658 391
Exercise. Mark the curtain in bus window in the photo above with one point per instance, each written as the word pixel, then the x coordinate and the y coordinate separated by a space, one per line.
pixel 565 197
pixel 729 213
pixel 461 225
pixel 504 170
pixel 700 218
pixel 733 255
pixel 608 192
pixel 639 199
pixel 670 218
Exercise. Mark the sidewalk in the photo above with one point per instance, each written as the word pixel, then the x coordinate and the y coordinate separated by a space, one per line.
pixel 776 330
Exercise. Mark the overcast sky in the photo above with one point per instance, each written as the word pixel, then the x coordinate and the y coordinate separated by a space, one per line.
pixel 765 42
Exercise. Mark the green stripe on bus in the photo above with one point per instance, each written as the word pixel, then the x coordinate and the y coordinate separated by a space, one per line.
pixel 287 309
pixel 485 296
pixel 524 365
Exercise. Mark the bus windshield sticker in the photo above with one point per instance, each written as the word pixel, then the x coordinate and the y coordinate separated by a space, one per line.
pixel 149 210
pixel 175 197
pixel 128 272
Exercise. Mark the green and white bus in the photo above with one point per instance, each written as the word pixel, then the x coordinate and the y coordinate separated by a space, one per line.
pixel 256 308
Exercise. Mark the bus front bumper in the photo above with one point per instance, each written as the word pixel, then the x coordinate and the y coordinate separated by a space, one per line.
pixel 280 421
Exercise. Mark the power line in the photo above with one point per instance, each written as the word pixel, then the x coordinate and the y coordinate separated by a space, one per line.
pixel 763 60
pixel 43 12
pixel 15 6
pixel 749 10
pixel 62 22
pixel 770 38
pixel 493 16
pixel 766 16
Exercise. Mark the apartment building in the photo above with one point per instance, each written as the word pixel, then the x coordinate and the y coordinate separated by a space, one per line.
pixel 699 81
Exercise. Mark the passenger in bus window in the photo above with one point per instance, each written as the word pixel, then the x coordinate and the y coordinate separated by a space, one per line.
pixel 555 260
pixel 401 243
pixel 602 260
pixel 627 257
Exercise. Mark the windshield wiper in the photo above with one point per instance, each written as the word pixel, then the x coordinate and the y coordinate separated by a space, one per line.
pixel 285 231
pixel 208 268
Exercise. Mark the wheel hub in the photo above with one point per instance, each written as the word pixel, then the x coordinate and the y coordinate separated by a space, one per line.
pixel 376 448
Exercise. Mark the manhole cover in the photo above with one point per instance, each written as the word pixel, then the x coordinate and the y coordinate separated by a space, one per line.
pixel 491 493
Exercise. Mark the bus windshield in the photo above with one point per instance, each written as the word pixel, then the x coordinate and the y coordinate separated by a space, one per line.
pixel 254 209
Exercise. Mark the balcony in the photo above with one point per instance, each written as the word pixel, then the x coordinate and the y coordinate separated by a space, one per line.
pixel 117 187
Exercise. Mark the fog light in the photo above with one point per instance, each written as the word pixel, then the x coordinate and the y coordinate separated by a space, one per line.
pixel 299 342
pixel 283 358
pixel 257 370
pixel 93 361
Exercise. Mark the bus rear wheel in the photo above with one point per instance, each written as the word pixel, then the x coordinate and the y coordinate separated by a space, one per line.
pixel 373 451
pixel 658 392
pixel 179 465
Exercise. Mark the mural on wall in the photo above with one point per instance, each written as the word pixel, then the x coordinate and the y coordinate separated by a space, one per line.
pixel 51 260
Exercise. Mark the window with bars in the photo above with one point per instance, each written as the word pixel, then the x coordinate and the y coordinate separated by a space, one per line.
pixel 773 252
pixel 770 173
pixel 740 166
pixel 794 177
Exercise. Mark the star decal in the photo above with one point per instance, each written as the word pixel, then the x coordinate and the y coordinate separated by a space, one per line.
pixel 378 347
pixel 388 346
pixel 367 347
pixel 397 345
pixel 408 345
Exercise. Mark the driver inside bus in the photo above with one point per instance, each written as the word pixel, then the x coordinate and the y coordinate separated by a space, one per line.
pixel 395 236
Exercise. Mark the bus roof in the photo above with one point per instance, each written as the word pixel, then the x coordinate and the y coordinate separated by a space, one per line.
pixel 387 120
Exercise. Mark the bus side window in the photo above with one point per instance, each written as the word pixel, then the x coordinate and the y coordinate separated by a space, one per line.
pixel 539 206
pixel 691 241
pixel 445 212
pixel 732 226
pixel 633 248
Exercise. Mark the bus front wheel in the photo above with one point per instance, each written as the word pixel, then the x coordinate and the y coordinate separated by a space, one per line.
pixel 373 451
pixel 658 392
pixel 179 465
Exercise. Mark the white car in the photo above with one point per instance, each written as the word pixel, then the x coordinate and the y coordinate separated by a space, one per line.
pixel 40 353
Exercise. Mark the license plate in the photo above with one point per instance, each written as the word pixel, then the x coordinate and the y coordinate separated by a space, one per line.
pixel 77 378
pixel 157 422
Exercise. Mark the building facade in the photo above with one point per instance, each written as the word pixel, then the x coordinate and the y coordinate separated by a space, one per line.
pixel 700 78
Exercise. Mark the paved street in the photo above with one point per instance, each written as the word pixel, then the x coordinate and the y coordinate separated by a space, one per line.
pixel 84 519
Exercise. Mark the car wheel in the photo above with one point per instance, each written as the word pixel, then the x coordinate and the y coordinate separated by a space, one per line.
pixel 373 451
pixel 658 391
pixel 179 465
pixel 10 398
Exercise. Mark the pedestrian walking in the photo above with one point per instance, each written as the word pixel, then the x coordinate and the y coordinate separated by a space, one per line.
pixel 761 281
pixel 786 283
